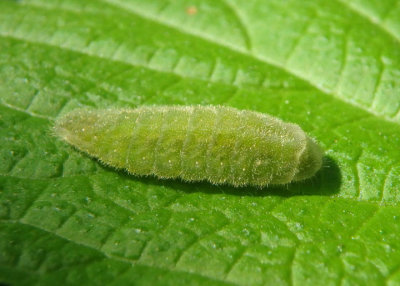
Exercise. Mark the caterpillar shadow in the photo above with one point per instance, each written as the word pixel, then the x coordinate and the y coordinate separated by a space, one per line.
pixel 326 182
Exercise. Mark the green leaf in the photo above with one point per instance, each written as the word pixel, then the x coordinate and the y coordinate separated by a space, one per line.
pixel 333 67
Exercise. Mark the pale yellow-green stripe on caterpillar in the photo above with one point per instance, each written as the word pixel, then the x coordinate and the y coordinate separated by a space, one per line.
pixel 219 144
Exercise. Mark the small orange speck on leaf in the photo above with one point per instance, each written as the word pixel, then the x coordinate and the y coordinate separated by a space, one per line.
pixel 191 10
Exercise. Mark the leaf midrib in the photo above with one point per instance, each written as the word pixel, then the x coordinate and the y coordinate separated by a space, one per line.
pixel 371 20
pixel 259 58
pixel 212 40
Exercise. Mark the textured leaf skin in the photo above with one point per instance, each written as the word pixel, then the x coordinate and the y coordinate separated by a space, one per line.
pixel 214 143
pixel 330 66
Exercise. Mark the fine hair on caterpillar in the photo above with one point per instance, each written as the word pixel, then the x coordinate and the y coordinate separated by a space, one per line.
pixel 218 144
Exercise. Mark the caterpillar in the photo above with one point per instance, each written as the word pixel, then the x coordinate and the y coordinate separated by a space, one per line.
pixel 219 144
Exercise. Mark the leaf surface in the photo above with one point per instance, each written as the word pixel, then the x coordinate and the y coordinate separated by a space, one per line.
pixel 333 67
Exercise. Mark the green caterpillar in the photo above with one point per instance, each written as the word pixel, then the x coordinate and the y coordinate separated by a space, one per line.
pixel 222 145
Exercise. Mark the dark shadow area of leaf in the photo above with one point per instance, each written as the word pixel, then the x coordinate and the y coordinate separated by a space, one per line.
pixel 326 182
